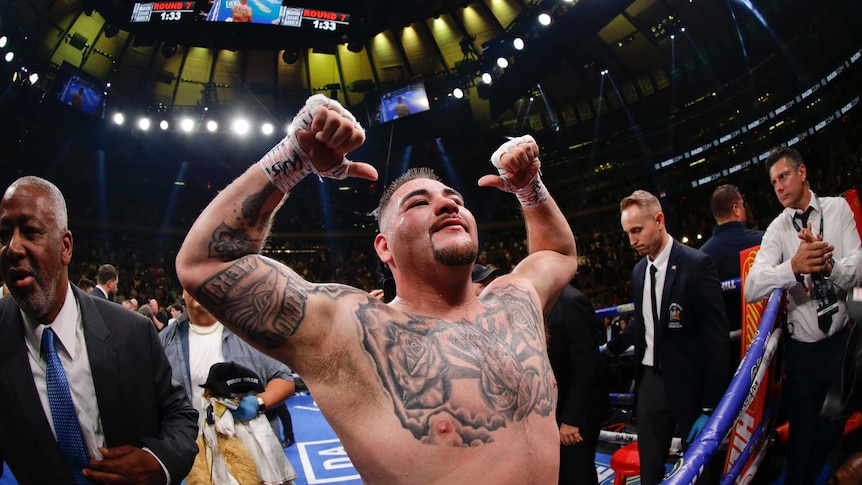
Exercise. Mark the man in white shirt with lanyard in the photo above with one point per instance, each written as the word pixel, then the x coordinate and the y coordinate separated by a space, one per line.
pixel 812 251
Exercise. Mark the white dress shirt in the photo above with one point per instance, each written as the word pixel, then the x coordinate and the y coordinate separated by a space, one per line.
pixel 772 267
pixel 72 351
pixel 660 264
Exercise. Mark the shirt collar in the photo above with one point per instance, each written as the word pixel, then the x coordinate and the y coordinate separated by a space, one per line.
pixel 65 326
pixel 814 202
pixel 660 261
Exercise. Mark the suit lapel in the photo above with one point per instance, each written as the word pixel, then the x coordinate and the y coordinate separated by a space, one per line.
pixel 638 284
pixel 103 365
pixel 669 279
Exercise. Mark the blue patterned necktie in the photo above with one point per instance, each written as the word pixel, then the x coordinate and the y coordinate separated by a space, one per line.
pixel 63 411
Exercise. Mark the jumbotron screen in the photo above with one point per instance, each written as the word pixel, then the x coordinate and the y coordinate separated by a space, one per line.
pixel 275 12
pixel 265 12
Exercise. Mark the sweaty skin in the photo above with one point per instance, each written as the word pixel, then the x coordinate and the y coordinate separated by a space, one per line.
pixel 440 385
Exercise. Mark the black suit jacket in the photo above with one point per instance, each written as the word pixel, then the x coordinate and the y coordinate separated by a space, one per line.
pixel 724 247
pixel 139 405
pixel 573 339
pixel 692 339
pixel 98 293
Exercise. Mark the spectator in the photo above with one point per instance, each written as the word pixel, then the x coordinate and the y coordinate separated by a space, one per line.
pixel 107 280
pixel 86 285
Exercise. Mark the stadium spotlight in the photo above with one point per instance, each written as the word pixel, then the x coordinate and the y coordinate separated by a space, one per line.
pixel 212 126
pixel 458 93
pixel 486 78
pixel 119 118
pixel 9 56
pixel 3 41
pixel 544 19
pixel 144 124
pixel 187 125
pixel 164 125
pixel 502 62
pixel 267 128
pixel 518 44
pixel 34 77
pixel 240 126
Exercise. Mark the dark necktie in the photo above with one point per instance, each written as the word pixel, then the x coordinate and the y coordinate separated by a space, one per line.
pixel 802 217
pixel 63 411
pixel 652 272
pixel 655 325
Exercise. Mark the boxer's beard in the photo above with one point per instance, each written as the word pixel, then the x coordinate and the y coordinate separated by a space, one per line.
pixel 457 256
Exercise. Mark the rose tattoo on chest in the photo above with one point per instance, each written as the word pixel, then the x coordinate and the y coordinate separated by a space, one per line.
pixel 477 376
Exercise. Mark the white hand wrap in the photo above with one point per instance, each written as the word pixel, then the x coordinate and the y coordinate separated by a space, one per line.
pixel 532 194
pixel 286 163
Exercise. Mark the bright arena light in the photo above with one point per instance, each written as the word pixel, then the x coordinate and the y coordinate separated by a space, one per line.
pixel 458 93
pixel 545 19
pixel 164 125
pixel 502 62
pixel 119 118
pixel 34 77
pixel 9 56
pixel 518 43
pixel 267 128
pixel 486 78
pixel 3 41
pixel 187 125
pixel 240 126
pixel 144 124
pixel 212 126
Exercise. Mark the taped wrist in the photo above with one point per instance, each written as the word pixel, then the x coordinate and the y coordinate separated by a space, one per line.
pixel 286 163
pixel 532 194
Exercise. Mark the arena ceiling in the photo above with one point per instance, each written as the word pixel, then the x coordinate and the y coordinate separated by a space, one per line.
pixel 681 73
pixel 167 64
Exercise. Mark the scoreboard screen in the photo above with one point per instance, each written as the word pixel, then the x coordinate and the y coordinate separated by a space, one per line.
pixel 276 12
pixel 145 12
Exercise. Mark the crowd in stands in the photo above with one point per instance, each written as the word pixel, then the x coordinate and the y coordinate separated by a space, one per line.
pixel 337 244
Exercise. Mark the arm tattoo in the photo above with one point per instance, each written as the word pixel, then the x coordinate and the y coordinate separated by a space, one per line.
pixel 229 243
pixel 262 299
pixel 252 208
pixel 481 375
pixel 232 243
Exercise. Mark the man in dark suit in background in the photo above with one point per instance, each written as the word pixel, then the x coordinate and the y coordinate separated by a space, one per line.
pixel 680 335
pixel 730 237
pixel 583 404
pixel 96 403
pixel 107 280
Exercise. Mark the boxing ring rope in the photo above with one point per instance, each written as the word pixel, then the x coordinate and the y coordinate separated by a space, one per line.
pixel 740 392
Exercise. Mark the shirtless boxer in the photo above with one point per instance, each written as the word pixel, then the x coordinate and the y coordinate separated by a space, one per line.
pixel 438 386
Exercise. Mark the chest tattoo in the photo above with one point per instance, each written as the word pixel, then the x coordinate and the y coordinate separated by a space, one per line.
pixel 475 376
